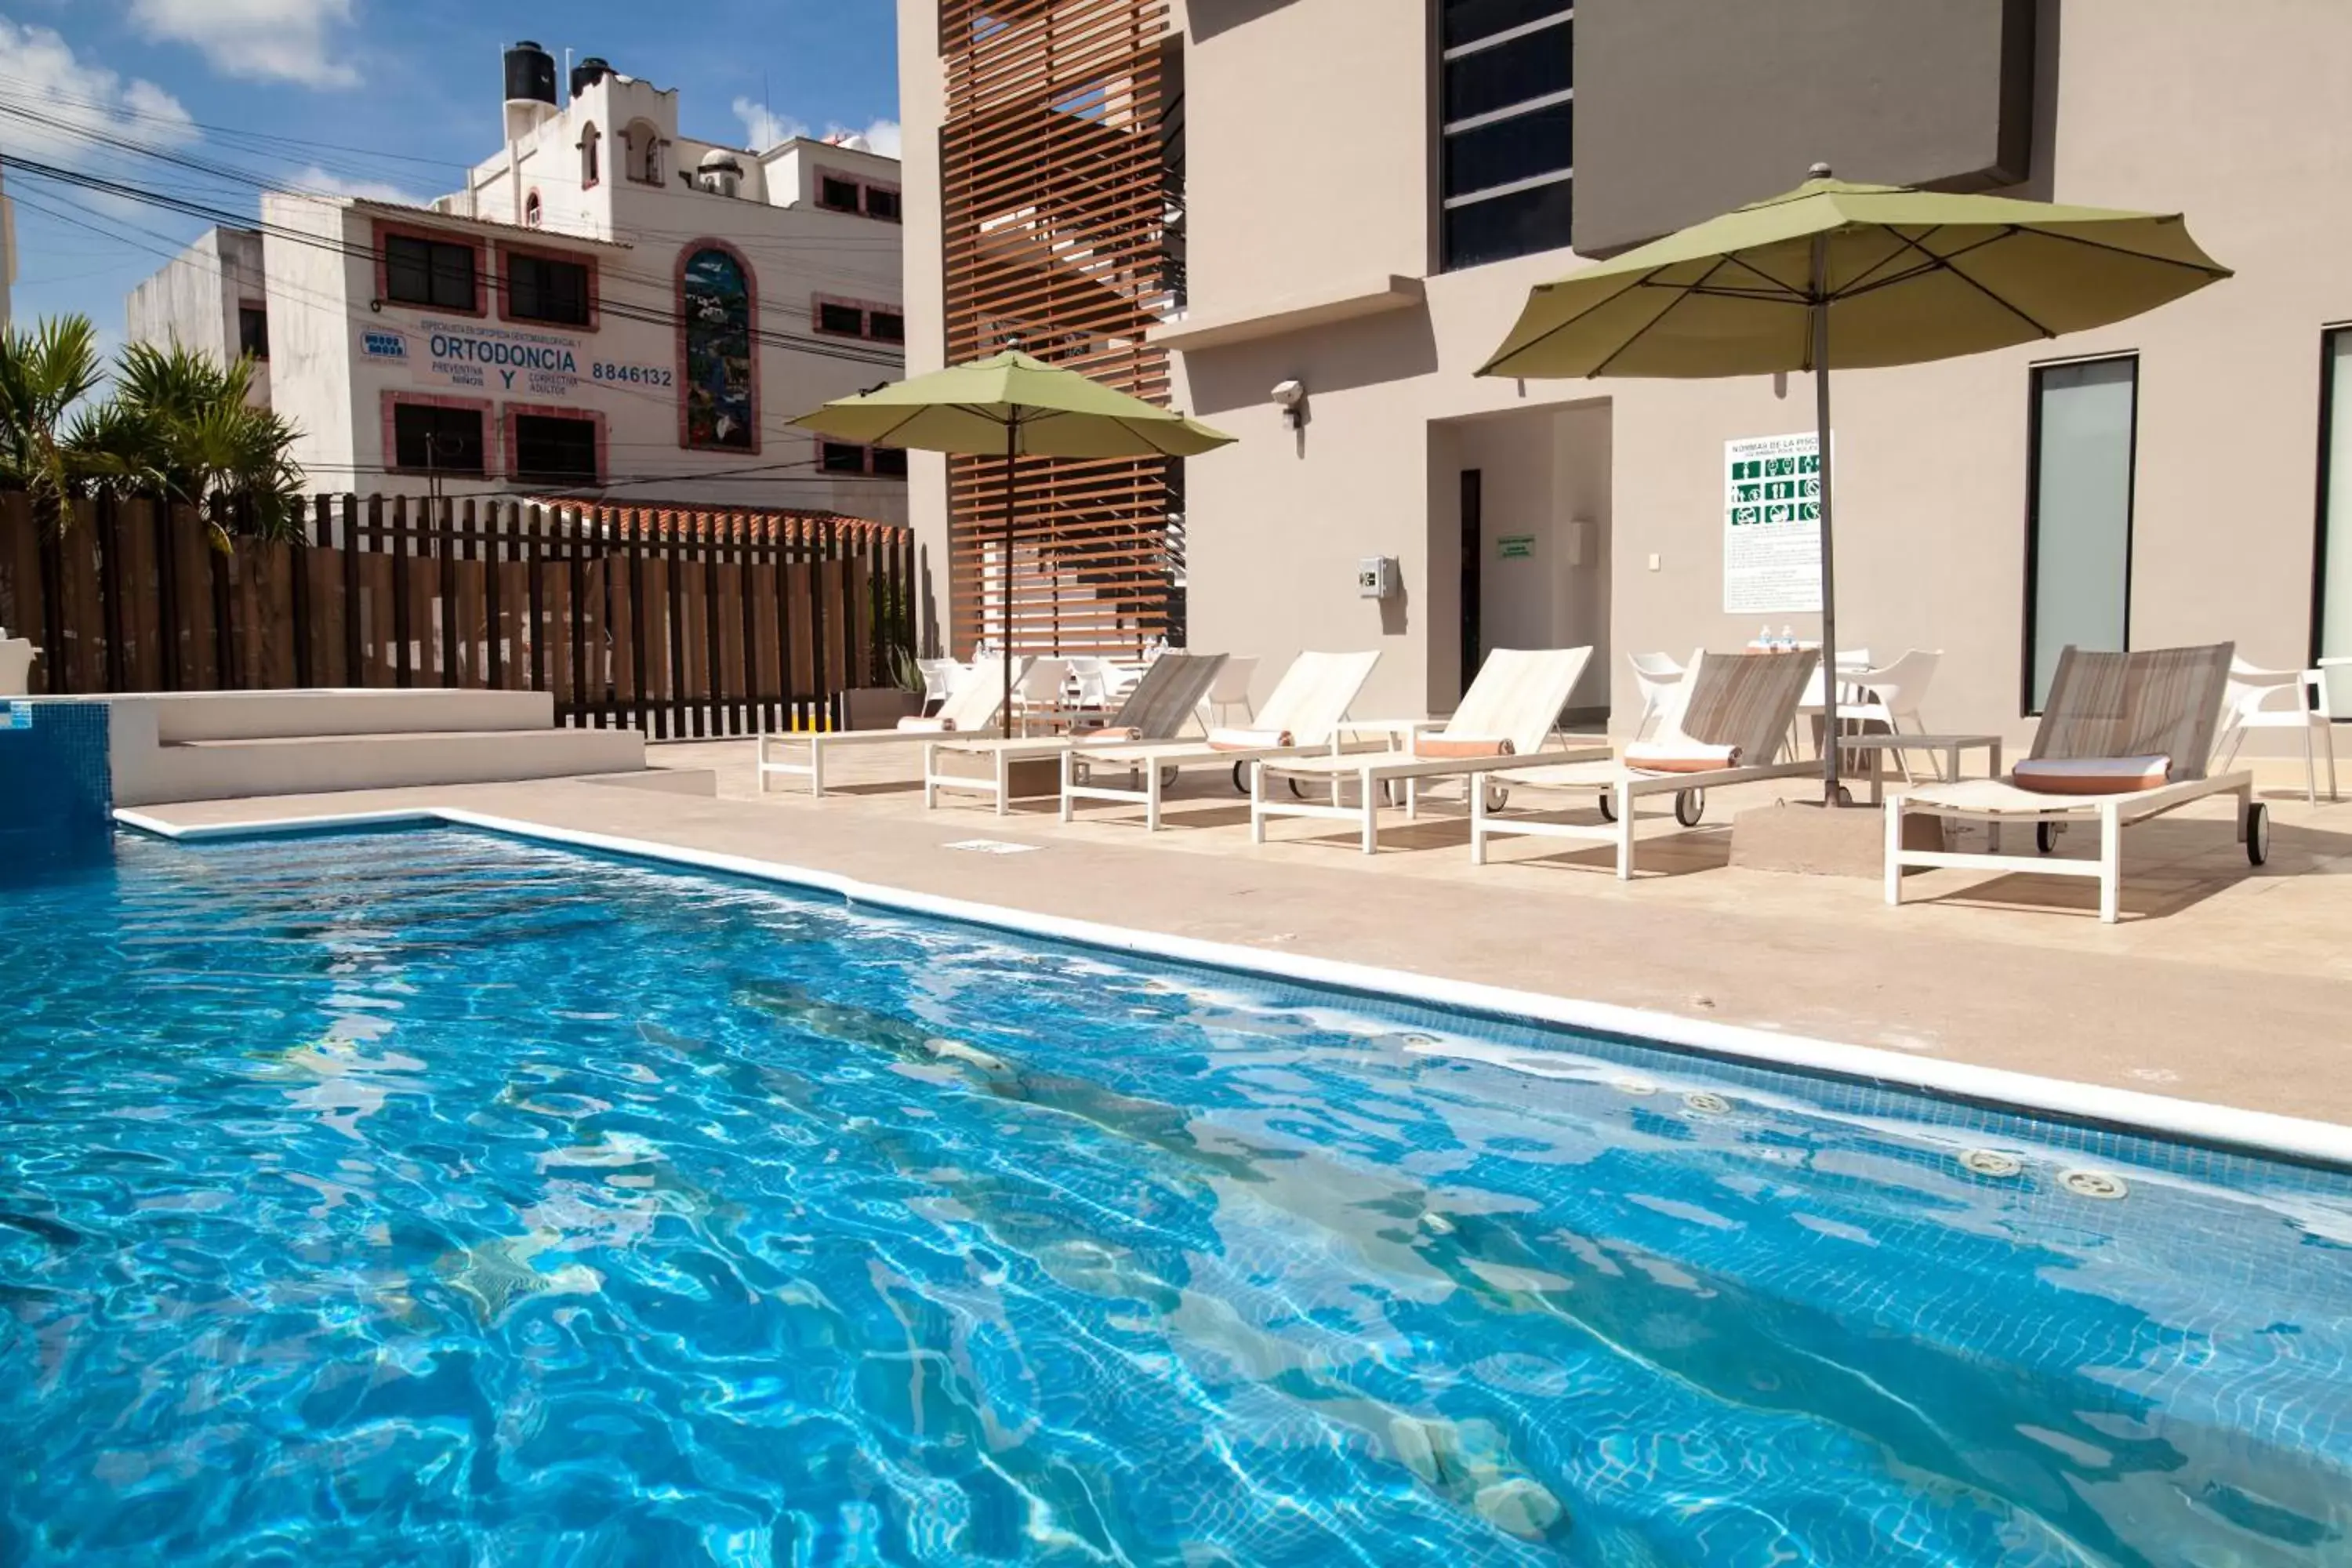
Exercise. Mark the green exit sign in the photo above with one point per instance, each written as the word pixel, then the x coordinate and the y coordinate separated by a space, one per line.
pixel 1516 546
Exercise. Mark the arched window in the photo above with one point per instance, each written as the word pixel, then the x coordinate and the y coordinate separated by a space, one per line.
pixel 588 164
pixel 531 211
pixel 645 155
pixel 717 302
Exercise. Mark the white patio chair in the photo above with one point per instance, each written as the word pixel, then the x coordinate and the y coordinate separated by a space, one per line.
pixel 1657 675
pixel 1892 695
pixel 1040 692
pixel 939 680
pixel 1092 675
pixel 2275 700
pixel 1231 689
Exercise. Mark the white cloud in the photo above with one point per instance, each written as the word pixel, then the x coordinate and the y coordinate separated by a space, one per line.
pixel 326 182
pixel 763 128
pixel 266 40
pixel 57 101
pixel 882 136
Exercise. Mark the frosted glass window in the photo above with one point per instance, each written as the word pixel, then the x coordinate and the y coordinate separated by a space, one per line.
pixel 2078 550
pixel 2335 503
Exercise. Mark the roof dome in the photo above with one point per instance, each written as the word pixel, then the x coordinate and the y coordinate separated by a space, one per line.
pixel 720 158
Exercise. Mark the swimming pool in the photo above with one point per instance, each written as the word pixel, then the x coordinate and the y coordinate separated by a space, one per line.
pixel 431 1196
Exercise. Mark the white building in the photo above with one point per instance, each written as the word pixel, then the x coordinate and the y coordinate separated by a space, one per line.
pixel 212 298
pixel 606 307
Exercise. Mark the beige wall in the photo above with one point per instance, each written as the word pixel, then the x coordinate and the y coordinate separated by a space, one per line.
pixel 1301 179
pixel 922 108
pixel 2235 115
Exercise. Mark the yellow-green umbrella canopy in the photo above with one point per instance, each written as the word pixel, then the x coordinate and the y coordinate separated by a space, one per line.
pixel 1012 403
pixel 1909 275
pixel 1856 276
pixel 1012 406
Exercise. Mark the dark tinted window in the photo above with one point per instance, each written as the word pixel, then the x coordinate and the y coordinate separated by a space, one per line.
pixel 252 332
pixel 428 272
pixel 539 289
pixel 847 319
pixel 881 204
pixel 552 449
pixel 438 440
pixel 1515 225
pixel 1466 21
pixel 1518 148
pixel 837 458
pixel 889 326
pixel 840 194
pixel 890 462
pixel 1487 79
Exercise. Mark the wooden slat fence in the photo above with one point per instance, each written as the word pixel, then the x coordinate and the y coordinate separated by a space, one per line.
pixel 678 623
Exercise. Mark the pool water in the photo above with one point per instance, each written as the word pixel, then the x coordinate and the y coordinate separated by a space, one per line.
pixel 435 1197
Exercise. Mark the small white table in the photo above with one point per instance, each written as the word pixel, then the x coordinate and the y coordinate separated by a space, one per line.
pixel 1951 746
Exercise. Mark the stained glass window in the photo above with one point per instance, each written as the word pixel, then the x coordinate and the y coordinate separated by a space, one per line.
pixel 715 298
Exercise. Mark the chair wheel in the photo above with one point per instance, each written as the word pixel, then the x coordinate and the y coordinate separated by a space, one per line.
pixel 1498 795
pixel 1690 805
pixel 1845 795
pixel 2045 836
pixel 1241 777
pixel 2258 834
pixel 1297 791
pixel 1608 806
pixel 1168 777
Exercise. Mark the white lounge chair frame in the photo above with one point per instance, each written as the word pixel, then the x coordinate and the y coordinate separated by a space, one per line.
pixel 2072 725
pixel 1705 708
pixel 1518 697
pixel 1160 705
pixel 1310 704
pixel 971 709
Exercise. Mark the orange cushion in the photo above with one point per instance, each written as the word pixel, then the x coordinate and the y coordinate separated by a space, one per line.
pixel 1688 758
pixel 2092 775
pixel 1248 739
pixel 933 725
pixel 1441 746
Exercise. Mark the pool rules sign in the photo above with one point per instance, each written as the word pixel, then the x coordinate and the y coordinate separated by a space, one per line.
pixel 1773 525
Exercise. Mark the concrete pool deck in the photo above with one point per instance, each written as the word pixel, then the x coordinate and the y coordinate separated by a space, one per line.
pixel 2224 985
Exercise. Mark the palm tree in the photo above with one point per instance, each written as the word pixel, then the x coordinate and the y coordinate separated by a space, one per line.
pixel 179 426
pixel 43 373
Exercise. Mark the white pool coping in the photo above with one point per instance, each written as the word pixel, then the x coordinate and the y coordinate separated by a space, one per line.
pixel 2160 1116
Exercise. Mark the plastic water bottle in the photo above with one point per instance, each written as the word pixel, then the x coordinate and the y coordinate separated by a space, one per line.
pixel 1764 637
pixel 1789 639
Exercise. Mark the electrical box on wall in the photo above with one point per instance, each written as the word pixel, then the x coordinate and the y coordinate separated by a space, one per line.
pixel 1580 550
pixel 1376 577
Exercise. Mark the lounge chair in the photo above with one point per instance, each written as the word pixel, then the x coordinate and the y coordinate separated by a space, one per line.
pixel 1158 709
pixel 1725 723
pixel 1301 718
pixel 971 710
pixel 1507 716
pixel 2124 737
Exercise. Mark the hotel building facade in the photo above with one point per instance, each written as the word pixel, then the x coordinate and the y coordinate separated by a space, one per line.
pixel 1206 200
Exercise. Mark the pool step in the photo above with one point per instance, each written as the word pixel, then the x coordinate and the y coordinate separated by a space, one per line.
pixel 227 746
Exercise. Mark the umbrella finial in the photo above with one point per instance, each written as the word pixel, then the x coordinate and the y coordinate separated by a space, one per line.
pixel 1818 172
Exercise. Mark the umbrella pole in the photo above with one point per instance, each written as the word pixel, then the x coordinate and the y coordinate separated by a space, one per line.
pixel 1012 468
pixel 1819 308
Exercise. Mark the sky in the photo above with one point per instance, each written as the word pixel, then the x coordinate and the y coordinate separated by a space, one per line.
pixel 391 99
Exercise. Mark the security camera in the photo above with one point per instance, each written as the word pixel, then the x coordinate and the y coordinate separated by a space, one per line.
pixel 1289 393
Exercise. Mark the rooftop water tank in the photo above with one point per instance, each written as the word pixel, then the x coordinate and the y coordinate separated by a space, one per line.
pixel 589 72
pixel 531 74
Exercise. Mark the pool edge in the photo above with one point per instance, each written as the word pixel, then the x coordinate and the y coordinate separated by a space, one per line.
pixel 2164 1116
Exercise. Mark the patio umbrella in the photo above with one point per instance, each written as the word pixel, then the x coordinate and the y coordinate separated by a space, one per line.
pixel 1013 406
pixel 1856 275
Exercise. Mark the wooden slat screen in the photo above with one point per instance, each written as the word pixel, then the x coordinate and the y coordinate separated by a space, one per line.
pixel 1054 190
pixel 678 622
